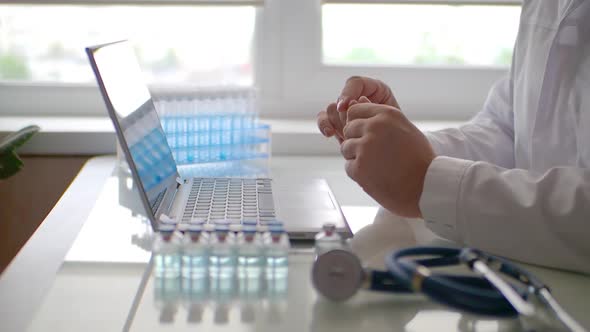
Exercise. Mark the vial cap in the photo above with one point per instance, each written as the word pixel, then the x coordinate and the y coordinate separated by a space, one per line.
pixel 329 227
pixel 221 222
pixel 209 227
pixel 195 228
pixel 249 222
pixel 235 228
pixel 276 229
pixel 164 219
pixel 221 228
pixel 249 229
pixel 182 227
pixel 198 221
pixel 166 228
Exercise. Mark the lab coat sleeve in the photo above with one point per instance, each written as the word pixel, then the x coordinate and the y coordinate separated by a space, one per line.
pixel 536 218
pixel 489 136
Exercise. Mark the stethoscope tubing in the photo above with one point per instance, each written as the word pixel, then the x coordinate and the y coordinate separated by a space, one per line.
pixel 471 294
pixel 338 274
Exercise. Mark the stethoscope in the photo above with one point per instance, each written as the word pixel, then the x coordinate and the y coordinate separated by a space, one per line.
pixel 338 275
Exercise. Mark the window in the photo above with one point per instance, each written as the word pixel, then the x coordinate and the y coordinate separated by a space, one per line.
pixel 200 45
pixel 447 79
pixel 414 34
pixel 298 53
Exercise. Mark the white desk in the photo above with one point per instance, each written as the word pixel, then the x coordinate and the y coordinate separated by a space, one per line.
pixel 84 270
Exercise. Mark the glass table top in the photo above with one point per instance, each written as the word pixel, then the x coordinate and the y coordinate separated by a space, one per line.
pixel 106 283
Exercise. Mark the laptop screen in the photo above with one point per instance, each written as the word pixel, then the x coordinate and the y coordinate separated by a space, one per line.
pixel 134 115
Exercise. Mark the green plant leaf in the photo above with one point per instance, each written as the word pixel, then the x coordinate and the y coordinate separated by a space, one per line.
pixel 16 139
pixel 10 164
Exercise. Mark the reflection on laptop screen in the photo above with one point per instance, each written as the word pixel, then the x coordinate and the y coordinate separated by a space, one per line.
pixel 137 118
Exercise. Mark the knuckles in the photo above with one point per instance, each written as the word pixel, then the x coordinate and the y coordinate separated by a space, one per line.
pixel 354 78
pixel 351 169
pixel 344 148
pixel 385 121
pixel 375 126
pixel 396 114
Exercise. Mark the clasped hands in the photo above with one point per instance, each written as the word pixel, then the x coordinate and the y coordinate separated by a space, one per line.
pixel 385 153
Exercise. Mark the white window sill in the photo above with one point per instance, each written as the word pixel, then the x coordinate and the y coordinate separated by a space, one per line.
pixel 95 135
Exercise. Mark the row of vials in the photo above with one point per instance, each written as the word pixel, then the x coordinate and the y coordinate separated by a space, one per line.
pixel 217 269
pixel 220 251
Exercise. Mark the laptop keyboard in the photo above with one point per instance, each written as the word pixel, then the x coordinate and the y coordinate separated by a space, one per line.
pixel 233 200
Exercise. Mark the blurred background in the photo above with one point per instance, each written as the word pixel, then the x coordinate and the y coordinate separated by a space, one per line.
pixel 440 58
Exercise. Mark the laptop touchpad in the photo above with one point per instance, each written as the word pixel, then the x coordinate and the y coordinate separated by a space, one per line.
pixel 299 199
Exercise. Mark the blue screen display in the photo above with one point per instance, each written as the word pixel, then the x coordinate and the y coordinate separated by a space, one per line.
pixel 125 90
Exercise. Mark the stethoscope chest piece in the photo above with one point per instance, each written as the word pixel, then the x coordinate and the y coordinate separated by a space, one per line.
pixel 337 274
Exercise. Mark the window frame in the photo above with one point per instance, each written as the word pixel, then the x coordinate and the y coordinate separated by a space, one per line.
pixel 454 92
pixel 288 70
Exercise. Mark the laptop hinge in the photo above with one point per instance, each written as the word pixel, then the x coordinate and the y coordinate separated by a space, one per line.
pixel 179 182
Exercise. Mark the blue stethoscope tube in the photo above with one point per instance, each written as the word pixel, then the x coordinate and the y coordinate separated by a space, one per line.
pixel 338 275
pixel 473 294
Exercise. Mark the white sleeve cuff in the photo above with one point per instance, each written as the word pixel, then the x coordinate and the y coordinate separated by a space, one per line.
pixel 440 196
pixel 431 137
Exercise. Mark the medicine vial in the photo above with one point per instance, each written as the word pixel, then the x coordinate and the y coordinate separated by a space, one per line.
pixel 250 253
pixel 195 252
pixel 222 262
pixel 276 251
pixel 167 289
pixel 166 252
pixel 277 265
pixel 222 256
pixel 328 239
pixel 195 276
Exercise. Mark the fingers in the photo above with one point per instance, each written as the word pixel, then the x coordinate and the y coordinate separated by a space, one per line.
pixel 364 99
pixel 354 129
pixel 353 89
pixel 365 111
pixel 356 86
pixel 342 117
pixel 325 124
pixel 335 121
pixel 349 148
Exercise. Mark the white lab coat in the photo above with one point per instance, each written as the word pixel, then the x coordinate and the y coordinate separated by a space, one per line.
pixel 515 180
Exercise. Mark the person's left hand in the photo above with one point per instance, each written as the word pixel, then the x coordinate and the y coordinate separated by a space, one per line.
pixel 387 156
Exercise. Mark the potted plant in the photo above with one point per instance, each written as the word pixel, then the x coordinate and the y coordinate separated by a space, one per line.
pixel 10 163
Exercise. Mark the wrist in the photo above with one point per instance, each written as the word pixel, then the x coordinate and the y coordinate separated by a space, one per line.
pixel 421 172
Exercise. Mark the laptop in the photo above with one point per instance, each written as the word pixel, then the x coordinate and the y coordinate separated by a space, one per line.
pixel 302 205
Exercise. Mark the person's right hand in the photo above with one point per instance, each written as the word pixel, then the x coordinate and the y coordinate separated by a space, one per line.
pixel 331 122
